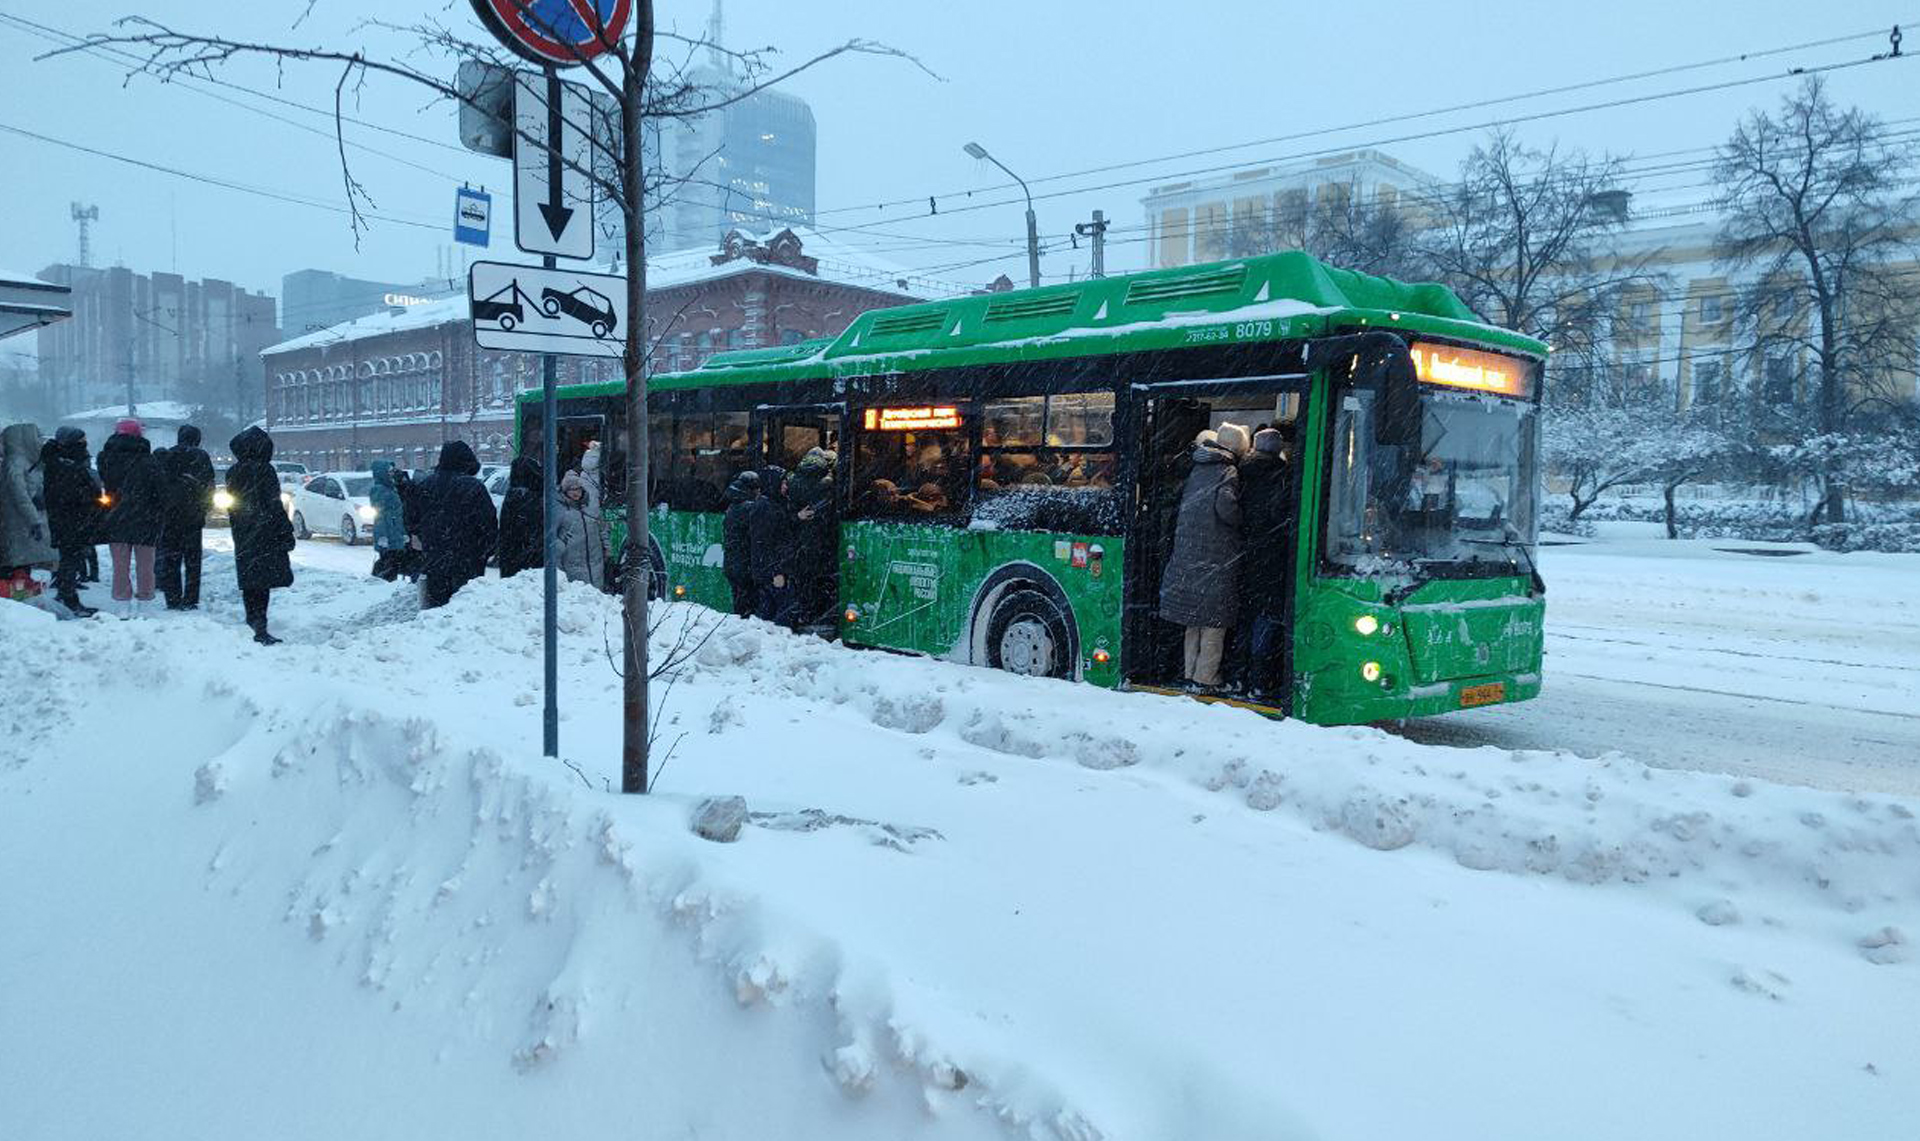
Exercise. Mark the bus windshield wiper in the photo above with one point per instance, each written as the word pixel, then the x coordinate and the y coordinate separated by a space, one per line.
pixel 1512 541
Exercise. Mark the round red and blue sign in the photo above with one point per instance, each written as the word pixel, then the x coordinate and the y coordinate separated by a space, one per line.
pixel 558 32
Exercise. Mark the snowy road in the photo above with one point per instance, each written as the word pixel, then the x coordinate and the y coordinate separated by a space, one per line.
pixel 1801 668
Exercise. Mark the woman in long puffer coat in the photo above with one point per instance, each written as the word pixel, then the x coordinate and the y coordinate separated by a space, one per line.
pixel 73 511
pixel 135 511
pixel 262 533
pixel 23 500
pixel 582 546
pixel 1199 587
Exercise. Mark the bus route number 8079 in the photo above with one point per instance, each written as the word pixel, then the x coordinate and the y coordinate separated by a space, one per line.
pixel 1237 332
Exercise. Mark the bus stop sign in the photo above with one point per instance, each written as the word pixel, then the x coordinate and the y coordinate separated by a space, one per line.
pixel 560 33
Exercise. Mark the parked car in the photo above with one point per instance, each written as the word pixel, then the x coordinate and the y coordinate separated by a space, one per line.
pixel 292 472
pixel 334 503
pixel 496 485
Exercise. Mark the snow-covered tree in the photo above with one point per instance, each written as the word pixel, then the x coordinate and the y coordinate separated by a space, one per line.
pixel 1816 219
pixel 1520 238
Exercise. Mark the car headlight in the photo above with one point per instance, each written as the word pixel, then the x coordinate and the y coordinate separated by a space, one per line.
pixel 223 499
pixel 369 513
pixel 286 501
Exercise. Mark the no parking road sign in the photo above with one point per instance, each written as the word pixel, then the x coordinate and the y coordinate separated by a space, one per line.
pixel 524 308
pixel 558 32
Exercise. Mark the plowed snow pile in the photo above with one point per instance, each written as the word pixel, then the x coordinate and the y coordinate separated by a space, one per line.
pixel 329 889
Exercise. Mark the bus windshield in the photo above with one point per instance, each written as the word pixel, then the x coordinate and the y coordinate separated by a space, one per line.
pixel 1465 494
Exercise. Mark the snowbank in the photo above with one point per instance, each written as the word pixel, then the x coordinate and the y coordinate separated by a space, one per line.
pixel 336 875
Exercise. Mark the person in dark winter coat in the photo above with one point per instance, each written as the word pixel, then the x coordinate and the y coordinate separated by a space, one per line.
pixel 457 525
pixel 1266 508
pixel 522 546
pixel 736 540
pixel 770 549
pixel 262 533
pixel 135 511
pixel 816 536
pixel 1198 586
pixel 186 491
pixel 73 508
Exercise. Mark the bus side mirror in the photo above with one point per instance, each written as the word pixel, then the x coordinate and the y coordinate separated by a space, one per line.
pixel 1397 422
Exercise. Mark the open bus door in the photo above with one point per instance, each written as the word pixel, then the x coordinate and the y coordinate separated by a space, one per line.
pixel 1170 417
pixel 785 434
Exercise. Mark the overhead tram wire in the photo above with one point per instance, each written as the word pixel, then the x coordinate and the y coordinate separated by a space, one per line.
pixel 1878 33
pixel 1763 53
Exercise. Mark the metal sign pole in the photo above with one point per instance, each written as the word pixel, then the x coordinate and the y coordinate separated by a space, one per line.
pixel 549 462
pixel 550 540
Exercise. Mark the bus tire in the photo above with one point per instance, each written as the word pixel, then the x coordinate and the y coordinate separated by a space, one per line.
pixel 1027 635
pixel 1023 624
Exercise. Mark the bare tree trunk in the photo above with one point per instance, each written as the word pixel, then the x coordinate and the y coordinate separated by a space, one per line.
pixel 636 573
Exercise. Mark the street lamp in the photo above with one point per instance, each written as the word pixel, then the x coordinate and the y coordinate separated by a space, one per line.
pixel 1033 229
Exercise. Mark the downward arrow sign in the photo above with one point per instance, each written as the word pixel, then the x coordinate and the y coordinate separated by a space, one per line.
pixel 557 215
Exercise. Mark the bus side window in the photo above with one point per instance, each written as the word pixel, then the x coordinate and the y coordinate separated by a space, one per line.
pixel 919 473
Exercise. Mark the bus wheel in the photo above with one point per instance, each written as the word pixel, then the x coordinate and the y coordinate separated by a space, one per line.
pixel 1027 635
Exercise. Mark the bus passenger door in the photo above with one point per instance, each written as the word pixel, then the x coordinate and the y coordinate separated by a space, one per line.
pixel 1172 415
pixel 786 433
pixel 1167 429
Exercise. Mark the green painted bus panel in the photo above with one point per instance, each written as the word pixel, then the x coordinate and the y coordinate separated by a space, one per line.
pixel 690 543
pixel 1447 636
pixel 915 586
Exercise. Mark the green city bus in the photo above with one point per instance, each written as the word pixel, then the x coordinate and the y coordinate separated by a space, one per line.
pixel 1010 464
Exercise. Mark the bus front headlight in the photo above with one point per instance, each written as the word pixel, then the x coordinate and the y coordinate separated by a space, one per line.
pixel 1366 624
pixel 1370 671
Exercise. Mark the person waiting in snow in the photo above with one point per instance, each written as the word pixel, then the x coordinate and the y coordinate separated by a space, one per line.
pixel 24 538
pixel 1266 508
pixel 186 493
pixel 736 540
pixel 262 533
pixel 131 481
pixel 581 539
pixel 73 509
pixel 816 536
pixel 523 545
pixel 394 556
pixel 770 545
pixel 1198 586
pixel 457 524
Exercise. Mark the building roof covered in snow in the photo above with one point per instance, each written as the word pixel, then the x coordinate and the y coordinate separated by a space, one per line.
pixel 26 302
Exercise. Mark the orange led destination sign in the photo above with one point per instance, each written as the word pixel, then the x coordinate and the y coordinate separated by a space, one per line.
pixel 1470 369
pixel 922 419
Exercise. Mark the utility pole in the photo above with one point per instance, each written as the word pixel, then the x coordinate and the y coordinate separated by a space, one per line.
pixel 1033 228
pixel 1097 230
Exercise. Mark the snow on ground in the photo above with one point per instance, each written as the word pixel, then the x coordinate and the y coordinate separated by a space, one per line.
pixel 1770 660
pixel 330 889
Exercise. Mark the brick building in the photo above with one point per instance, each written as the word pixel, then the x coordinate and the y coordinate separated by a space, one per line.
pixel 397 384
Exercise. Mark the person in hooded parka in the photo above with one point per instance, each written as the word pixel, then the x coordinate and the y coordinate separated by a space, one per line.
pixel 262 533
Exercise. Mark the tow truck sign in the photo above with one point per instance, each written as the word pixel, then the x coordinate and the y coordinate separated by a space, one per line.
pixel 524 308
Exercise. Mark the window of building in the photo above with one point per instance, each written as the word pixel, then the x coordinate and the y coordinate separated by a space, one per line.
pixel 736 339
pixel 790 337
pixel 1777 387
pixel 1709 378
pixel 912 473
pixel 1642 317
pixel 1712 309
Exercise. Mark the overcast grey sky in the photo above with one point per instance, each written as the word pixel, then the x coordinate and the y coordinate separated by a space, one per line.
pixel 1051 88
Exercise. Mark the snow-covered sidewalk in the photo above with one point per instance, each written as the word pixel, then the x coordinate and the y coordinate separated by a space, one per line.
pixel 330 889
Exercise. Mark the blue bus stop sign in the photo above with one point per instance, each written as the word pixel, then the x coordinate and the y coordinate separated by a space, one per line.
pixel 472 216
pixel 556 32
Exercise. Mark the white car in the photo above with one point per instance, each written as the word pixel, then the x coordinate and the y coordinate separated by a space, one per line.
pixel 496 488
pixel 292 473
pixel 333 503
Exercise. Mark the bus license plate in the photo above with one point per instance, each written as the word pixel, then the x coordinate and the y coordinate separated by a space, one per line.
pixel 1483 694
